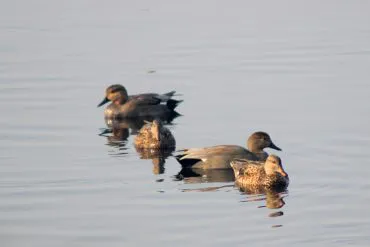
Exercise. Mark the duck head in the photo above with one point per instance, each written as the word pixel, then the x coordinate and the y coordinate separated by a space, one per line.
pixel 260 140
pixel 115 93
pixel 273 165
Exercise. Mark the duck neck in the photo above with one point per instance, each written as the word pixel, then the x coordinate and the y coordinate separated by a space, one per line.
pixel 254 147
pixel 156 133
pixel 122 99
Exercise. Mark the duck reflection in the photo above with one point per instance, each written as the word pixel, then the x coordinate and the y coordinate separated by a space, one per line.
pixel 189 175
pixel 119 130
pixel 148 135
pixel 200 176
pixel 158 158
pixel 116 138
pixel 274 199
pixel 155 141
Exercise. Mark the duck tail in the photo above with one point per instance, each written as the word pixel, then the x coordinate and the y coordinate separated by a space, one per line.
pixel 170 94
pixel 172 103
pixel 170 116
pixel 185 162
pixel 179 154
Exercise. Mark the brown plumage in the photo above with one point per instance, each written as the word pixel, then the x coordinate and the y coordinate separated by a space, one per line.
pixel 219 157
pixel 269 174
pixel 154 135
pixel 140 105
pixel 257 142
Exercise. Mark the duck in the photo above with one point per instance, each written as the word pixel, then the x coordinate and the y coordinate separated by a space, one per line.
pixel 153 135
pixel 219 157
pixel 139 105
pixel 252 174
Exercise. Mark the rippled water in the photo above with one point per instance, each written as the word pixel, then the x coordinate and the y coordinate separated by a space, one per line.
pixel 298 70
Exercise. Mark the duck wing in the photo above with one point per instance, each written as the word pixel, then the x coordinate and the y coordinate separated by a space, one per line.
pixel 206 152
pixel 144 100
pixel 246 167
pixel 162 97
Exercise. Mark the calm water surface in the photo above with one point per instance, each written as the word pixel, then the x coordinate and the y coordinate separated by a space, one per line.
pixel 298 70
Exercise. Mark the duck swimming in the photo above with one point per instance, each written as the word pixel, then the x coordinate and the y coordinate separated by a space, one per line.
pixel 154 135
pixel 140 105
pixel 219 157
pixel 268 174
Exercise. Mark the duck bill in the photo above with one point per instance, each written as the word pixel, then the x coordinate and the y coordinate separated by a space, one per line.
pixel 283 173
pixel 106 131
pixel 273 146
pixel 105 100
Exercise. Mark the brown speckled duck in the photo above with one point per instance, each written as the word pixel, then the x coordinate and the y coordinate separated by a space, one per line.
pixel 140 105
pixel 269 174
pixel 154 135
pixel 219 157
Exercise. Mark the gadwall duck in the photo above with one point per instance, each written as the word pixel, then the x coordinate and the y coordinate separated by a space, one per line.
pixel 140 105
pixel 219 157
pixel 268 174
pixel 154 135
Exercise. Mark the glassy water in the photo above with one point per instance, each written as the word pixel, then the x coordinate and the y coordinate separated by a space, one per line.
pixel 297 70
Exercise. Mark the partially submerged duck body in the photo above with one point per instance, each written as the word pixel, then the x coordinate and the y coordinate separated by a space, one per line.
pixel 219 157
pixel 154 135
pixel 269 174
pixel 206 175
pixel 216 157
pixel 140 105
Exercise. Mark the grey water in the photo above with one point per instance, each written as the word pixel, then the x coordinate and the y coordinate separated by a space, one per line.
pixel 299 70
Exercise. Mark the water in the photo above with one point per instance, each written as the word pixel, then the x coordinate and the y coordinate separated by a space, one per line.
pixel 297 70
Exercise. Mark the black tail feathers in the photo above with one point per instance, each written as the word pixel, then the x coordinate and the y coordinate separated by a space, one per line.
pixel 170 94
pixel 172 103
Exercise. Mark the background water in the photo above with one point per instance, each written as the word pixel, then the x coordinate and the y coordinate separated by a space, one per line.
pixel 296 69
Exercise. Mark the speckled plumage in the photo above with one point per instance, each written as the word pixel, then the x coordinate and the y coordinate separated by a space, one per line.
pixel 269 174
pixel 154 135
